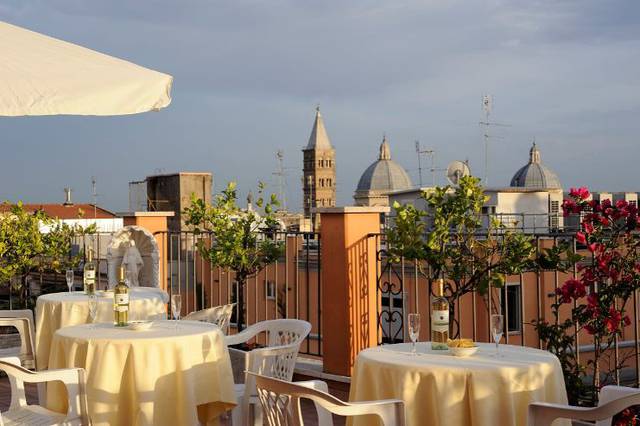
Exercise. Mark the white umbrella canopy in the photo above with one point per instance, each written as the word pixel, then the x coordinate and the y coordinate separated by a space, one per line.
pixel 41 75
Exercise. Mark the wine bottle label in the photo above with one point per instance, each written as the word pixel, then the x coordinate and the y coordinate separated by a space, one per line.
pixel 122 299
pixel 89 275
pixel 440 321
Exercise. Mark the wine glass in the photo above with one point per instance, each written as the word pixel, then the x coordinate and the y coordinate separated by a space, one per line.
pixel 93 309
pixel 414 331
pixel 176 305
pixel 497 328
pixel 69 276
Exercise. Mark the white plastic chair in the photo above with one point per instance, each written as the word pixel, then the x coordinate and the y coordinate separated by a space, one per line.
pixel 278 359
pixel 22 320
pixel 613 399
pixel 218 315
pixel 20 413
pixel 280 402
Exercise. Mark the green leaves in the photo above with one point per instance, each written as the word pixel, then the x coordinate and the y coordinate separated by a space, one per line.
pixel 457 241
pixel 32 241
pixel 241 240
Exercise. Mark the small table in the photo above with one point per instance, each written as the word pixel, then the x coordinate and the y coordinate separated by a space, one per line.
pixel 58 310
pixel 442 390
pixel 160 376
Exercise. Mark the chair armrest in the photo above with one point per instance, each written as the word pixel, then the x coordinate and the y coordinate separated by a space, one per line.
pixel 243 336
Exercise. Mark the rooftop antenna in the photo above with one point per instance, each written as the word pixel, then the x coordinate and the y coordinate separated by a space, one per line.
pixel 433 169
pixel 281 176
pixel 487 107
pixel 95 194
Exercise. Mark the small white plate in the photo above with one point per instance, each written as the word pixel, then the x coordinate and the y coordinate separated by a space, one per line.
pixel 463 352
pixel 103 293
pixel 139 325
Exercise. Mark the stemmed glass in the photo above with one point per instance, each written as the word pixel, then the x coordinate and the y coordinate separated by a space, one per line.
pixel 497 328
pixel 69 277
pixel 93 309
pixel 414 331
pixel 176 306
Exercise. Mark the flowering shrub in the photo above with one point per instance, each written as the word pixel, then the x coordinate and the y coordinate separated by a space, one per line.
pixel 598 296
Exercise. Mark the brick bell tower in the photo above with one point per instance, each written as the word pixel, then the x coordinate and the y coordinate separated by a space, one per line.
pixel 319 171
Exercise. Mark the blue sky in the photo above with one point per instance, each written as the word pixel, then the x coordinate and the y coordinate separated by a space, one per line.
pixel 248 75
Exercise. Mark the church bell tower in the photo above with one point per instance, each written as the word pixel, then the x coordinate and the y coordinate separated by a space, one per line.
pixel 319 170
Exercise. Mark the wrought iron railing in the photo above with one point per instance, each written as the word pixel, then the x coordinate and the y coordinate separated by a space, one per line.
pixel 287 288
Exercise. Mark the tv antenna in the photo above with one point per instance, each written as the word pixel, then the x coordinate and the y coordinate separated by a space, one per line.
pixel 487 107
pixel 432 155
pixel 281 175
pixel 457 170
pixel 95 194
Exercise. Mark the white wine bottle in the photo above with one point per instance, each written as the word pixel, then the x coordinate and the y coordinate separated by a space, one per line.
pixel 89 275
pixel 121 301
pixel 439 318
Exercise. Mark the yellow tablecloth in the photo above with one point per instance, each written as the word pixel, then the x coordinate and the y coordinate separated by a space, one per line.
pixel 442 390
pixel 57 310
pixel 161 376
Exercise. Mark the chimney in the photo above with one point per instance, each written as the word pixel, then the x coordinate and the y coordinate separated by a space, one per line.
pixel 67 198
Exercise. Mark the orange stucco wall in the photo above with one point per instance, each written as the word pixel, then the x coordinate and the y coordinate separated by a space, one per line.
pixel 349 319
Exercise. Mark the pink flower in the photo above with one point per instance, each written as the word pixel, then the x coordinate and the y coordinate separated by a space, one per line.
pixel 626 320
pixel 588 227
pixel 580 193
pixel 570 206
pixel 613 322
pixel 590 329
pixel 581 238
pixel 571 289
pixel 593 247
pixel 621 204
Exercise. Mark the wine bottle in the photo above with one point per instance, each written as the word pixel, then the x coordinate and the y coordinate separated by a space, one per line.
pixel 121 300
pixel 89 274
pixel 439 318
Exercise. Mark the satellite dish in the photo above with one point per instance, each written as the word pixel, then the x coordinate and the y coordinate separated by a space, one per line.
pixel 457 170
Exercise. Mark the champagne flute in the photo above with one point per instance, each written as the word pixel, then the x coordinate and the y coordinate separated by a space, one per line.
pixel 176 306
pixel 93 309
pixel 414 331
pixel 69 277
pixel 497 328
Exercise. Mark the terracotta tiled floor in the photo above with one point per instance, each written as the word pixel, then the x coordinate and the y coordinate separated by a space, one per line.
pixel 338 389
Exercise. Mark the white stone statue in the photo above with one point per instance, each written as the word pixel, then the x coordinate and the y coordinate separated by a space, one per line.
pixel 134 247
pixel 132 262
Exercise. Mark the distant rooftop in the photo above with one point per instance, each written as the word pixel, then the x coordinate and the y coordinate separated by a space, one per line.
pixel 65 211
pixel 181 174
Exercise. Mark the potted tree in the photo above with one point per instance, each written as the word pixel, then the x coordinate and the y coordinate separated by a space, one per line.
pixel 25 248
pixel 240 240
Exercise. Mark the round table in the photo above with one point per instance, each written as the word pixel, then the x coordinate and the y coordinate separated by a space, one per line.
pixel 58 310
pixel 160 376
pixel 440 389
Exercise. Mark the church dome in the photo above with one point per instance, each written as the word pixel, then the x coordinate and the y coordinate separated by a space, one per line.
pixel 384 175
pixel 535 174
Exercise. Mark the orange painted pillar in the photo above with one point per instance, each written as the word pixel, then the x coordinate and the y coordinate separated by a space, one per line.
pixel 348 279
pixel 155 223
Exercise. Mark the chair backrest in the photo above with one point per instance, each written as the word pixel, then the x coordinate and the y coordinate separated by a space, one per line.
pixel 543 414
pixel 22 320
pixel 73 378
pixel 218 315
pixel 610 393
pixel 280 402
